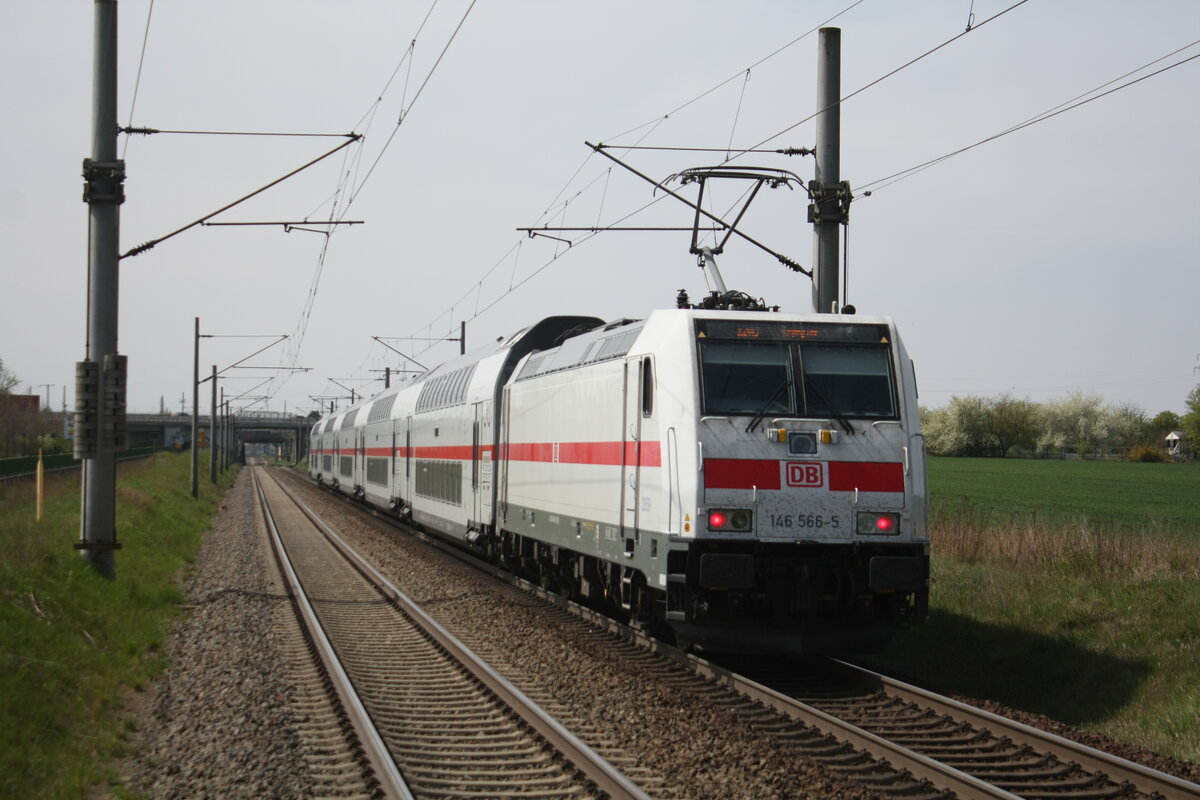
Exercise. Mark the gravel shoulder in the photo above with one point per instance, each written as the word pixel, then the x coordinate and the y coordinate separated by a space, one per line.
pixel 219 723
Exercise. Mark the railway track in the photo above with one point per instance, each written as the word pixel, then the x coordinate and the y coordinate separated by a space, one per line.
pixel 429 718
pixel 898 740
pixel 966 750
pixel 935 745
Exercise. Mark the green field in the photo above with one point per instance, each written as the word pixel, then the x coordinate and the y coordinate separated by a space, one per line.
pixel 1066 588
pixel 1104 493
pixel 71 642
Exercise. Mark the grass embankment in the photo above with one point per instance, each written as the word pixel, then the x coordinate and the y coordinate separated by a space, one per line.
pixel 1070 589
pixel 70 641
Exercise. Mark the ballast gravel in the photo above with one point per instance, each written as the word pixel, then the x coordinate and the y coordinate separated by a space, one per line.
pixel 221 725
pixel 692 747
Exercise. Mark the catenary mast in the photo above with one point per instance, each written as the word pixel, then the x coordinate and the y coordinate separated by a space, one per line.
pixel 830 197
pixel 100 378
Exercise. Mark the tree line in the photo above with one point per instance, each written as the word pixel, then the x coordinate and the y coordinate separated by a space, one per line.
pixel 1081 424
pixel 23 430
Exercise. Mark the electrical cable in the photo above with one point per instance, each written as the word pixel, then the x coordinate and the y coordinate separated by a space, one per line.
pixel 350 178
pixel 518 284
pixel 659 120
pixel 405 112
pixel 555 205
pixel 1061 108
pixel 554 208
pixel 737 114
pixel 739 73
pixel 138 81
pixel 882 78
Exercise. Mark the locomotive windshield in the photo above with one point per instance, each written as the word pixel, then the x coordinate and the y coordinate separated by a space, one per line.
pixel 747 378
pixel 848 380
pixel 781 369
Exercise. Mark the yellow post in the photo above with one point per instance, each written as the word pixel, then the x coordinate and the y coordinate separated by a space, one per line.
pixel 41 485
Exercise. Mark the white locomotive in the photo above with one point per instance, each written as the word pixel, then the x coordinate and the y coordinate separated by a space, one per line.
pixel 741 480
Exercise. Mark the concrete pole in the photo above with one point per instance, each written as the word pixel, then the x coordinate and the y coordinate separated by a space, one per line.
pixel 196 412
pixel 104 178
pixel 224 430
pixel 212 430
pixel 828 169
pixel 231 456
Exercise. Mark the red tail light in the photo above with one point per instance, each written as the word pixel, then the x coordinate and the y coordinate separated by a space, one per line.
pixel 878 523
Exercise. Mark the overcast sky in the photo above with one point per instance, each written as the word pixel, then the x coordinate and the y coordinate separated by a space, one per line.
pixel 1059 258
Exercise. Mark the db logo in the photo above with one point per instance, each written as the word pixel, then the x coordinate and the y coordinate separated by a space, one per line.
pixel 805 473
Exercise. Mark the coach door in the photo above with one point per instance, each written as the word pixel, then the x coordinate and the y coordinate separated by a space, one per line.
pixel 360 452
pixel 404 460
pixel 631 453
pixel 481 464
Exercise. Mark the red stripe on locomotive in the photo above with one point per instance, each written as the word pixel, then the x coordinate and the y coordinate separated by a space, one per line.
pixel 844 476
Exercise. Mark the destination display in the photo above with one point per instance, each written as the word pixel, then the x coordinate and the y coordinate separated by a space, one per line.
pixel 772 331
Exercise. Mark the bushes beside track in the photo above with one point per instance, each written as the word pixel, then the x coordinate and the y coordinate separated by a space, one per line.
pixel 73 642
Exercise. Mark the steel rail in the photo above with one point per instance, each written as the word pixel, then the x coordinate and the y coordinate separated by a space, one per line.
pixel 604 775
pixel 939 775
pixel 391 783
pixel 1117 769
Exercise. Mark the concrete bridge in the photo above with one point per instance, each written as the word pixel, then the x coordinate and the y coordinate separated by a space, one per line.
pixel 286 433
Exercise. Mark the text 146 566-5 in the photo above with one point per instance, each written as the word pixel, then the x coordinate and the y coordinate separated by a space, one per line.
pixel 817 521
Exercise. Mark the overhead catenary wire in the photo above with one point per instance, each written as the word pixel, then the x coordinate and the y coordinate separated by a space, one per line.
pixel 654 123
pixel 884 77
pixel 137 83
pixel 406 111
pixel 406 59
pixel 350 185
pixel 657 121
pixel 475 292
pixel 513 287
pixel 738 113
pixel 1069 105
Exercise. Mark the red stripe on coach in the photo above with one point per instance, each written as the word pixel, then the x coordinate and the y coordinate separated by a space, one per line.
pixel 647 454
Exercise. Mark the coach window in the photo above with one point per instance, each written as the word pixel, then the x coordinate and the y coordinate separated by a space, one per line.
pixel 647 387
pixel 475 456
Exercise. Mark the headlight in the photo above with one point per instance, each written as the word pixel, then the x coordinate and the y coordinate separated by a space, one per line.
pixel 802 443
pixel 878 523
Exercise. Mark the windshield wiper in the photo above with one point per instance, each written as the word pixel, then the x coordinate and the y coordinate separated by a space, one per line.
pixel 845 423
pixel 762 412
